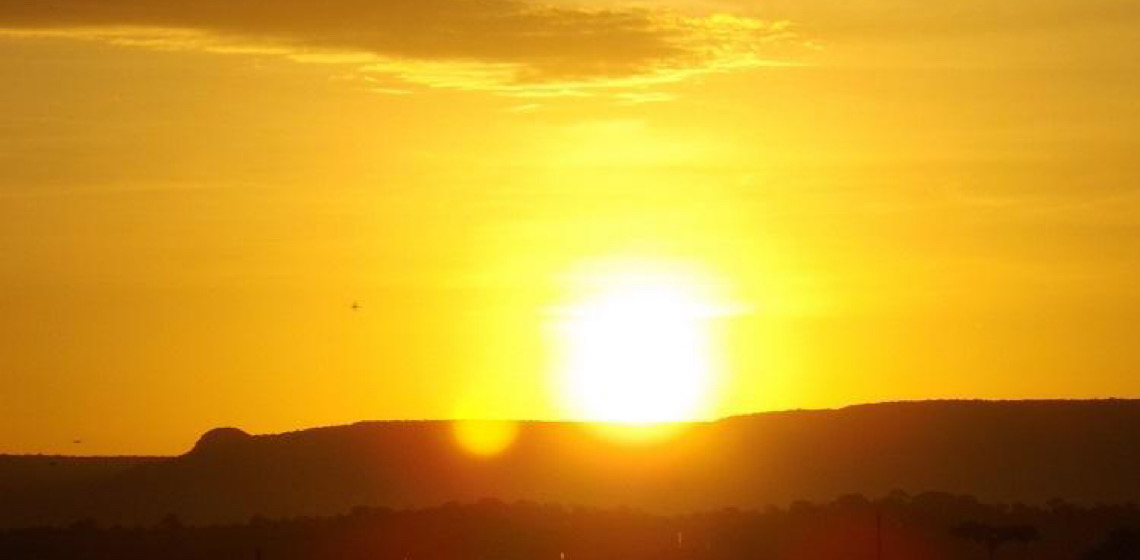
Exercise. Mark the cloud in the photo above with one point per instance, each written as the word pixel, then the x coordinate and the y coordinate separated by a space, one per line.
pixel 637 98
pixel 511 46
pixel 527 108
pixel 1081 34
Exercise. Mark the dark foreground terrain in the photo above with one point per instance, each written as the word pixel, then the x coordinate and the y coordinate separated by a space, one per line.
pixel 929 526
pixel 1086 452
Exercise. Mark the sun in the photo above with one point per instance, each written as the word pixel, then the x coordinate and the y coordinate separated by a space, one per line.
pixel 638 350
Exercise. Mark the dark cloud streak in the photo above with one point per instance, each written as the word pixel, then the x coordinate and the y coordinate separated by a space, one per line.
pixel 547 42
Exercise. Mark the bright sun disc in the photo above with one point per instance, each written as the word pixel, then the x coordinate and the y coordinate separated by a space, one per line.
pixel 638 351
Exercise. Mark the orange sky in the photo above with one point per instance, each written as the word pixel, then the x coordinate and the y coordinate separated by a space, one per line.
pixel 891 200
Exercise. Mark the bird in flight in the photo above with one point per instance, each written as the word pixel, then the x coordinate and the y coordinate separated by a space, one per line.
pixel 355 305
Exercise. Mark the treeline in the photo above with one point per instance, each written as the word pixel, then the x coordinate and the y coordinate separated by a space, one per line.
pixel 927 526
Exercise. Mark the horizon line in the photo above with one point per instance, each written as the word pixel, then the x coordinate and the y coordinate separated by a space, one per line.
pixel 1118 399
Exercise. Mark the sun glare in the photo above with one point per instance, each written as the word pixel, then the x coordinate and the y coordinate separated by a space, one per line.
pixel 638 351
pixel 485 438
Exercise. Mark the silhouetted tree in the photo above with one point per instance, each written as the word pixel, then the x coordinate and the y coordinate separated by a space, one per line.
pixel 171 522
pixel 993 537
pixel 1121 544
pixel 926 526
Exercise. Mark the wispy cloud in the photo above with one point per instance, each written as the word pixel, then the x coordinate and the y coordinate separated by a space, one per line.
pixel 637 97
pixel 508 46
pixel 527 108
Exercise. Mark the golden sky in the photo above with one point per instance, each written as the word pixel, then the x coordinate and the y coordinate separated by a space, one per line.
pixel 893 199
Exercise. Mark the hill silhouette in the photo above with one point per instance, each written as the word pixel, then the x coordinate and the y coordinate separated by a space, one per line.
pixel 1009 451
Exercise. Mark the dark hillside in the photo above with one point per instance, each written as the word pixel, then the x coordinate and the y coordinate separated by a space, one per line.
pixel 1017 451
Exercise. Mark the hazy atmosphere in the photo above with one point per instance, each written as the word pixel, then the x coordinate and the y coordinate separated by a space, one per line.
pixel 290 214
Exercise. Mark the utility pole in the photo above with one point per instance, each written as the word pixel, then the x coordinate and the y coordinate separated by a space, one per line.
pixel 879 533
